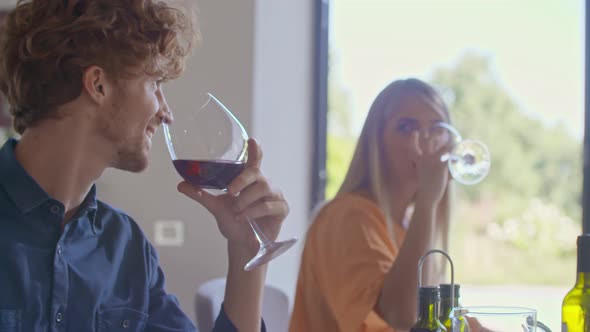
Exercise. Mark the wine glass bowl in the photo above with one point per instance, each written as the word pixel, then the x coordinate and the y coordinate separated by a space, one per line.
pixel 469 161
pixel 495 319
pixel 208 147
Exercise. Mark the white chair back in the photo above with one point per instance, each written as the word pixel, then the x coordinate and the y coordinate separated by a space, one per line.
pixel 275 306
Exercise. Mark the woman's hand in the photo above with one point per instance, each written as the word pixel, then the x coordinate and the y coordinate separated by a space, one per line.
pixel 433 174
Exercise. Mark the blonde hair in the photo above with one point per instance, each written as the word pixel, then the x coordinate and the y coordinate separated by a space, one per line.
pixel 367 171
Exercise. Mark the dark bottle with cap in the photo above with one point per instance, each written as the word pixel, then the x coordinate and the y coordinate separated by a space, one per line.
pixel 447 304
pixel 428 302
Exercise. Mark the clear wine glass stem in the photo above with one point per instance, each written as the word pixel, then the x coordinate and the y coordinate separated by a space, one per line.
pixel 450 128
pixel 262 239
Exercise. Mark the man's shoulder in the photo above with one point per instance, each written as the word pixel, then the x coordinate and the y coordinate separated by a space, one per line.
pixel 105 209
pixel 111 218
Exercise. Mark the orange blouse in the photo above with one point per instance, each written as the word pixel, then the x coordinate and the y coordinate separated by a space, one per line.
pixel 347 253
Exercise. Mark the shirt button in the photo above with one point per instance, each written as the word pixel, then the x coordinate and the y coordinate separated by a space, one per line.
pixel 58 317
pixel 54 209
pixel 125 323
pixel 58 249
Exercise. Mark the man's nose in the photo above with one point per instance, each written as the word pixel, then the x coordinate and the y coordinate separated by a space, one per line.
pixel 165 115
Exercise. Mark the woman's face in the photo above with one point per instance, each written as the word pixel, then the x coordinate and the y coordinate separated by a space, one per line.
pixel 415 115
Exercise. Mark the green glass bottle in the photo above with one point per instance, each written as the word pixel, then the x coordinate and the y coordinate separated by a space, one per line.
pixel 446 305
pixel 575 309
pixel 428 301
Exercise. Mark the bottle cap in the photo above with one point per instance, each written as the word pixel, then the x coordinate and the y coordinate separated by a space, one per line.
pixel 429 292
pixel 584 253
pixel 445 290
pixel 584 240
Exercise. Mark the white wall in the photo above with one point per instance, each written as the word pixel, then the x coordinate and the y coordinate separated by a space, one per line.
pixel 7 4
pixel 282 117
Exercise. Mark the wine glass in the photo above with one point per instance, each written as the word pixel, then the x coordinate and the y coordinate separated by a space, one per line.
pixel 208 147
pixel 495 319
pixel 469 161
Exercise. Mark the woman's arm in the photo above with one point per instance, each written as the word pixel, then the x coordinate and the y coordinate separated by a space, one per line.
pixel 398 299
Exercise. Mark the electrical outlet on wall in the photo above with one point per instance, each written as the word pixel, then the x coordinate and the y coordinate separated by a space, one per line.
pixel 169 233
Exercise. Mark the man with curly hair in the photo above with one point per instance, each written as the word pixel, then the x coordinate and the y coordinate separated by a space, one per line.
pixel 83 79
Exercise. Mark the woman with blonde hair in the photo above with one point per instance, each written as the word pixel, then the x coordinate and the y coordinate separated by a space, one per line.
pixel 359 265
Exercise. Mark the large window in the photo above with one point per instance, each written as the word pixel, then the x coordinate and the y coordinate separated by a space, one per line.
pixel 512 73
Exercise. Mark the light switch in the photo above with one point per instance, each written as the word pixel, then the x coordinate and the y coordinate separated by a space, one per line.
pixel 169 233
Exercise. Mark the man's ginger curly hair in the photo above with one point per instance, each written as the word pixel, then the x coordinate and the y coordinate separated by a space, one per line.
pixel 45 46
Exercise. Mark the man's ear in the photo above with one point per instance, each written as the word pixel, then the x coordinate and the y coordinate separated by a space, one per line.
pixel 95 84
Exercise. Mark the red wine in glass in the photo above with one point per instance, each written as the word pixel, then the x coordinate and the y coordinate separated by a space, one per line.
pixel 213 174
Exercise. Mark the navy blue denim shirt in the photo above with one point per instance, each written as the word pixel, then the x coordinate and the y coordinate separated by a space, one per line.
pixel 99 273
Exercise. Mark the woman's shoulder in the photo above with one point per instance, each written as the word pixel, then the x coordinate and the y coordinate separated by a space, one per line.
pixel 352 219
pixel 353 201
pixel 349 209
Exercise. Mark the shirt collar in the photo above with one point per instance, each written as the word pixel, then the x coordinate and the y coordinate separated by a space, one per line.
pixel 89 207
pixel 26 193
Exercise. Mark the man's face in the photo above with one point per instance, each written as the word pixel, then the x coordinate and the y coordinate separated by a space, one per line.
pixel 134 112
